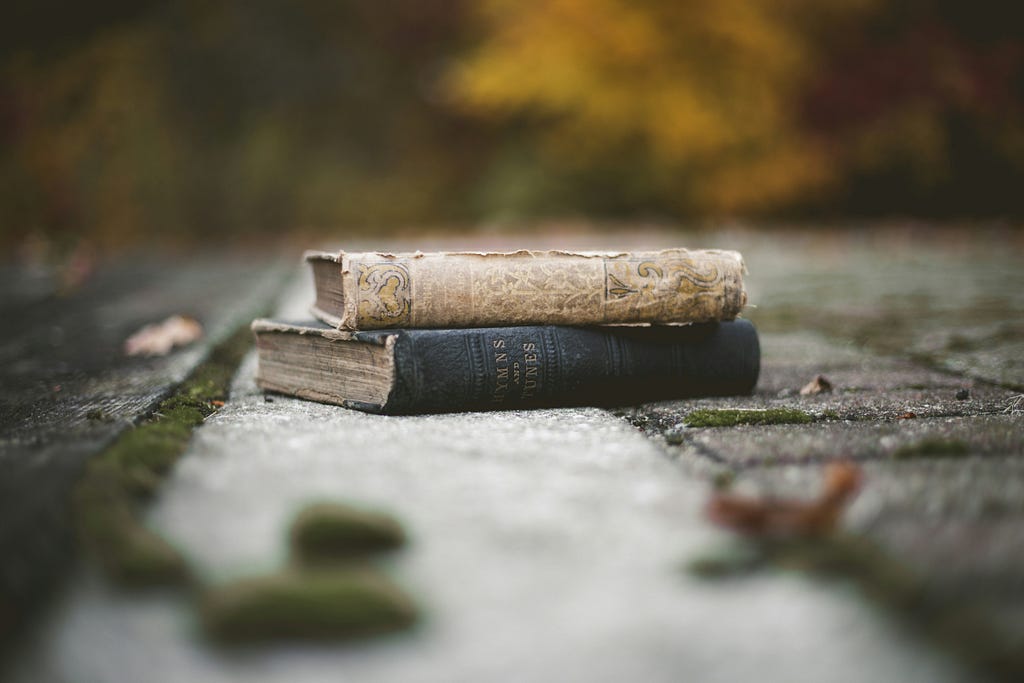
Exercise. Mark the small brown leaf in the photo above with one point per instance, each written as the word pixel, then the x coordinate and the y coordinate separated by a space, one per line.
pixel 159 338
pixel 777 517
pixel 818 385
pixel 907 416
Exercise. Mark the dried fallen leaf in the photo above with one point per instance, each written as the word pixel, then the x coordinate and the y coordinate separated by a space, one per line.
pixel 907 416
pixel 159 338
pixel 217 404
pixel 818 385
pixel 781 518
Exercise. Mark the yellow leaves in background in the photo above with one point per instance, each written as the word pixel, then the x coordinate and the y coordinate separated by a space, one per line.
pixel 702 87
pixel 761 181
pixel 235 117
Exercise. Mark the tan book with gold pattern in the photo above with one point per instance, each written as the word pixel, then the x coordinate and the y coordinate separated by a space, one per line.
pixel 363 291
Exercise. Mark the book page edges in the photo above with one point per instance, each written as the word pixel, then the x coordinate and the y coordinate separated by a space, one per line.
pixel 320 397
pixel 267 325
pixel 327 317
pixel 388 341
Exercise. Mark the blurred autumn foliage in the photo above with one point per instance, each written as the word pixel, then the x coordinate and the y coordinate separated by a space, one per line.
pixel 125 122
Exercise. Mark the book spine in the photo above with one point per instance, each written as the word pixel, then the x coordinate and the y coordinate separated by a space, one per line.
pixel 550 288
pixel 534 366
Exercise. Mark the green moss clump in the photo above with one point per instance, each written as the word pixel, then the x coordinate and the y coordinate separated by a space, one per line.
pixel 729 562
pixel 731 418
pixel 327 533
pixel 932 447
pixel 334 605
pixel 130 553
pixel 108 498
pixel 723 481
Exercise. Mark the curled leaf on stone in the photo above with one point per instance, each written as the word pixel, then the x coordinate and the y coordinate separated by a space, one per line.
pixel 907 416
pixel 159 338
pixel 819 385
pixel 774 517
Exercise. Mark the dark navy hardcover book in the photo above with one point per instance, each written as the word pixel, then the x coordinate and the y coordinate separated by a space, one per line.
pixel 517 367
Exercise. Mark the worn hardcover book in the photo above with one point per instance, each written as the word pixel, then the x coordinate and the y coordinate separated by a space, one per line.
pixel 427 371
pixel 367 291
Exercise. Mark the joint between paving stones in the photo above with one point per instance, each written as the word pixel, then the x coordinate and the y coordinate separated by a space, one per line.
pixel 109 499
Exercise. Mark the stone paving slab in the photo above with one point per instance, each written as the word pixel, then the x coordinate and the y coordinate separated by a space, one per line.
pixel 954 297
pixel 547 545
pixel 955 520
pixel 747 445
pixel 68 390
pixel 791 359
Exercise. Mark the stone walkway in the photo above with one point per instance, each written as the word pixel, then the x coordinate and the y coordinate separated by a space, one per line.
pixel 554 545
pixel 68 391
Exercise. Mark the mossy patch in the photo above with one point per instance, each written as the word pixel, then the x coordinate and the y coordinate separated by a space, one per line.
pixel 952 624
pixel 108 499
pixel 723 481
pixel 331 605
pixel 932 447
pixel 328 533
pixel 109 525
pixel 734 417
pixel 837 555
pixel 728 562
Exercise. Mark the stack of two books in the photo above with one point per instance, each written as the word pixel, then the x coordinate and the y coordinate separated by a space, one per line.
pixel 423 333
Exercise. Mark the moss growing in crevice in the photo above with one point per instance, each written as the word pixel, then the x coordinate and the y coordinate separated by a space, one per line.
pixel 953 624
pixel 329 533
pixel 107 501
pixel 340 604
pixel 327 596
pixel 932 447
pixel 733 417
pixel 723 480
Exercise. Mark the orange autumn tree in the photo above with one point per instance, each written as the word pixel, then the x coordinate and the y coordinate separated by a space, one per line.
pixel 705 94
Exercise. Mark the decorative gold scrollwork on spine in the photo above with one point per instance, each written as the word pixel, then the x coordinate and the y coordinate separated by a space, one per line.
pixel 704 276
pixel 384 294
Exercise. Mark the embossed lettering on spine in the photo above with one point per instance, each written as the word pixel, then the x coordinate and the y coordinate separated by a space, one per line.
pixel 420 290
